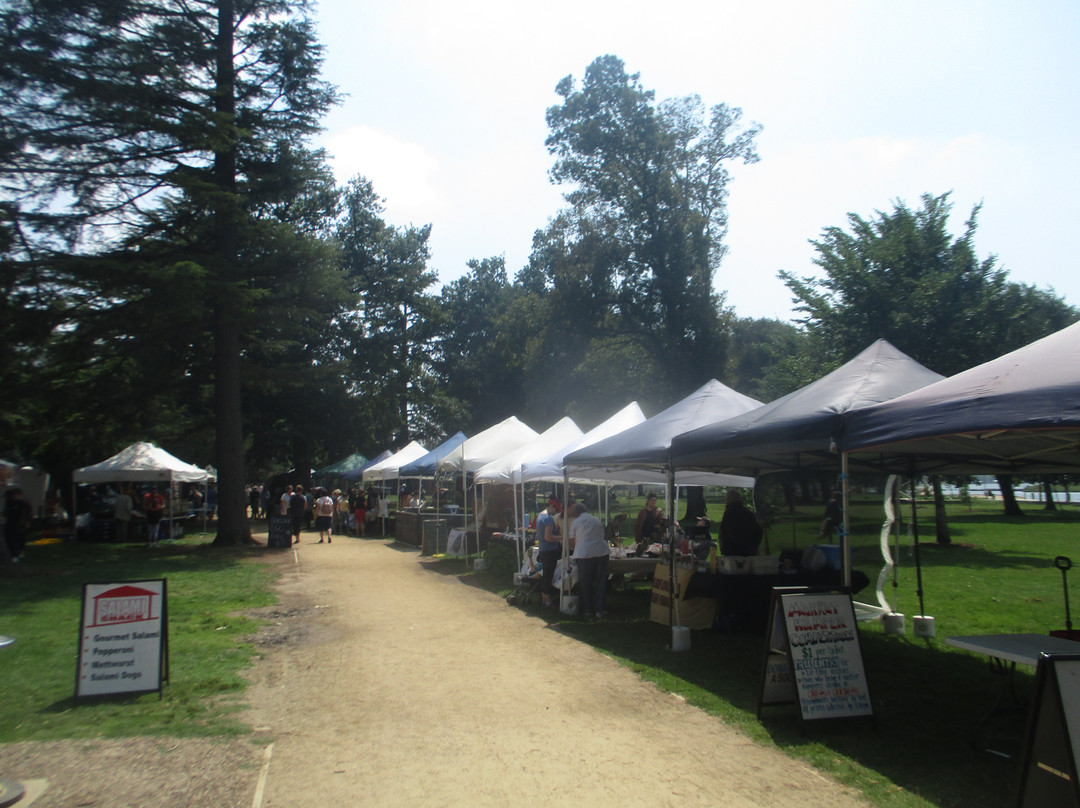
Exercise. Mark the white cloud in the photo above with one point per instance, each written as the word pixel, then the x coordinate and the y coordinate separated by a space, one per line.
pixel 403 173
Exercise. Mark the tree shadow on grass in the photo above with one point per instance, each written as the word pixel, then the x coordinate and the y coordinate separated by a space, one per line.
pixel 60 570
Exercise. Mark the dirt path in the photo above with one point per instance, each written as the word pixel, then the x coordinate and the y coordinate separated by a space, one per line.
pixel 413 688
pixel 384 683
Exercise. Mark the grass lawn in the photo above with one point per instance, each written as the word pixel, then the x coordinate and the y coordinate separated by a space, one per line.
pixel 39 605
pixel 996 577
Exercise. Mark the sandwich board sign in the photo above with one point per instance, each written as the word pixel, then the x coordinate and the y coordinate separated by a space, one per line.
pixel 1050 761
pixel 123 638
pixel 813 657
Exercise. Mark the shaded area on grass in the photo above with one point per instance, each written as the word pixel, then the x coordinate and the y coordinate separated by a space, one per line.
pixel 208 587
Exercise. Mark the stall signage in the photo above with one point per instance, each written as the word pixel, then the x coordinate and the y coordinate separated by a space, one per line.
pixel 814 656
pixel 280 533
pixel 1050 762
pixel 122 640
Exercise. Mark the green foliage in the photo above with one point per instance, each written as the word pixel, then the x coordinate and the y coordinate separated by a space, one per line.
pixel 901 277
pixel 635 253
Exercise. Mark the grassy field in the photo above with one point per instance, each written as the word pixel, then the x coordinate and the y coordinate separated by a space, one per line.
pixel 996 577
pixel 39 605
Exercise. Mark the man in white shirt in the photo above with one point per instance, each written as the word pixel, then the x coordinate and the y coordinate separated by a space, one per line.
pixel 284 502
pixel 591 559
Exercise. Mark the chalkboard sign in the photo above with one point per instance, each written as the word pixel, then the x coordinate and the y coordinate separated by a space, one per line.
pixel 813 656
pixel 1049 762
pixel 280 531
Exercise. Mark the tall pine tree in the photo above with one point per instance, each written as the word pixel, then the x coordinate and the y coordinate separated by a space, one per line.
pixel 125 117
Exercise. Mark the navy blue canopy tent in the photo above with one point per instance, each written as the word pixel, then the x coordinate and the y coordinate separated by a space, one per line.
pixel 1017 414
pixel 803 429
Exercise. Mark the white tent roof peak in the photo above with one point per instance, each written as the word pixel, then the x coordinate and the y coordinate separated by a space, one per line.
pixel 492 443
pixel 388 469
pixel 507 468
pixel 141 462
pixel 549 468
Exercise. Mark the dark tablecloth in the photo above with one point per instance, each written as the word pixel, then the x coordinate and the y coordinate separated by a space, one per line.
pixel 743 600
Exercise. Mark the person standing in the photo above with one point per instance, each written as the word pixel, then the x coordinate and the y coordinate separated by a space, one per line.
pixel 591 554
pixel 645 527
pixel 154 507
pixel 740 533
pixel 297 509
pixel 286 500
pixel 254 498
pixel 549 547
pixel 324 516
pixel 360 506
pixel 122 509
pixel 17 518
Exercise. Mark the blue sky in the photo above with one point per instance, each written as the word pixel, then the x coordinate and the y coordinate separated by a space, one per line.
pixel 862 103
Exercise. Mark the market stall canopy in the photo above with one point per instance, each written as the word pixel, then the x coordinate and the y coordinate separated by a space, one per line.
pixel 550 467
pixel 507 469
pixel 357 473
pixel 640 454
pixel 1017 414
pixel 390 468
pixel 141 462
pixel 491 444
pixel 427 465
pixel 802 429
pixel 350 463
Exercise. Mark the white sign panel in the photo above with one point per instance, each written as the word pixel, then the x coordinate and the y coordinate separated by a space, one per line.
pixel 122 638
pixel 825 656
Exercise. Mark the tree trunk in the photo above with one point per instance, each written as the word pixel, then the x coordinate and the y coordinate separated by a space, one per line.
pixel 941 520
pixel 233 528
pixel 1048 492
pixel 1012 507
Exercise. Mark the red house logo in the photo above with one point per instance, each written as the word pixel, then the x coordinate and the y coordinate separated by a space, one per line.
pixel 123 604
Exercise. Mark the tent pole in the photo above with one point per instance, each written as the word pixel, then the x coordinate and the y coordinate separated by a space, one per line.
pixel 915 535
pixel 845 538
pixel 673 590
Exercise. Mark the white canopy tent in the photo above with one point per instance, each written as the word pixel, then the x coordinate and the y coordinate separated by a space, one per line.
pixel 549 468
pixel 388 469
pixel 491 444
pixel 507 469
pixel 141 462
pixel 483 448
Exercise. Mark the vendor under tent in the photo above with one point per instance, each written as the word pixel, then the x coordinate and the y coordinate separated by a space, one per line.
pixel 640 454
pixel 141 462
pixel 476 452
pixel 1017 414
pixel 506 469
pixel 549 468
pixel 802 430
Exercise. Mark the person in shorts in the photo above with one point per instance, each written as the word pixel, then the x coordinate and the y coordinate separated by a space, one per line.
pixel 324 516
